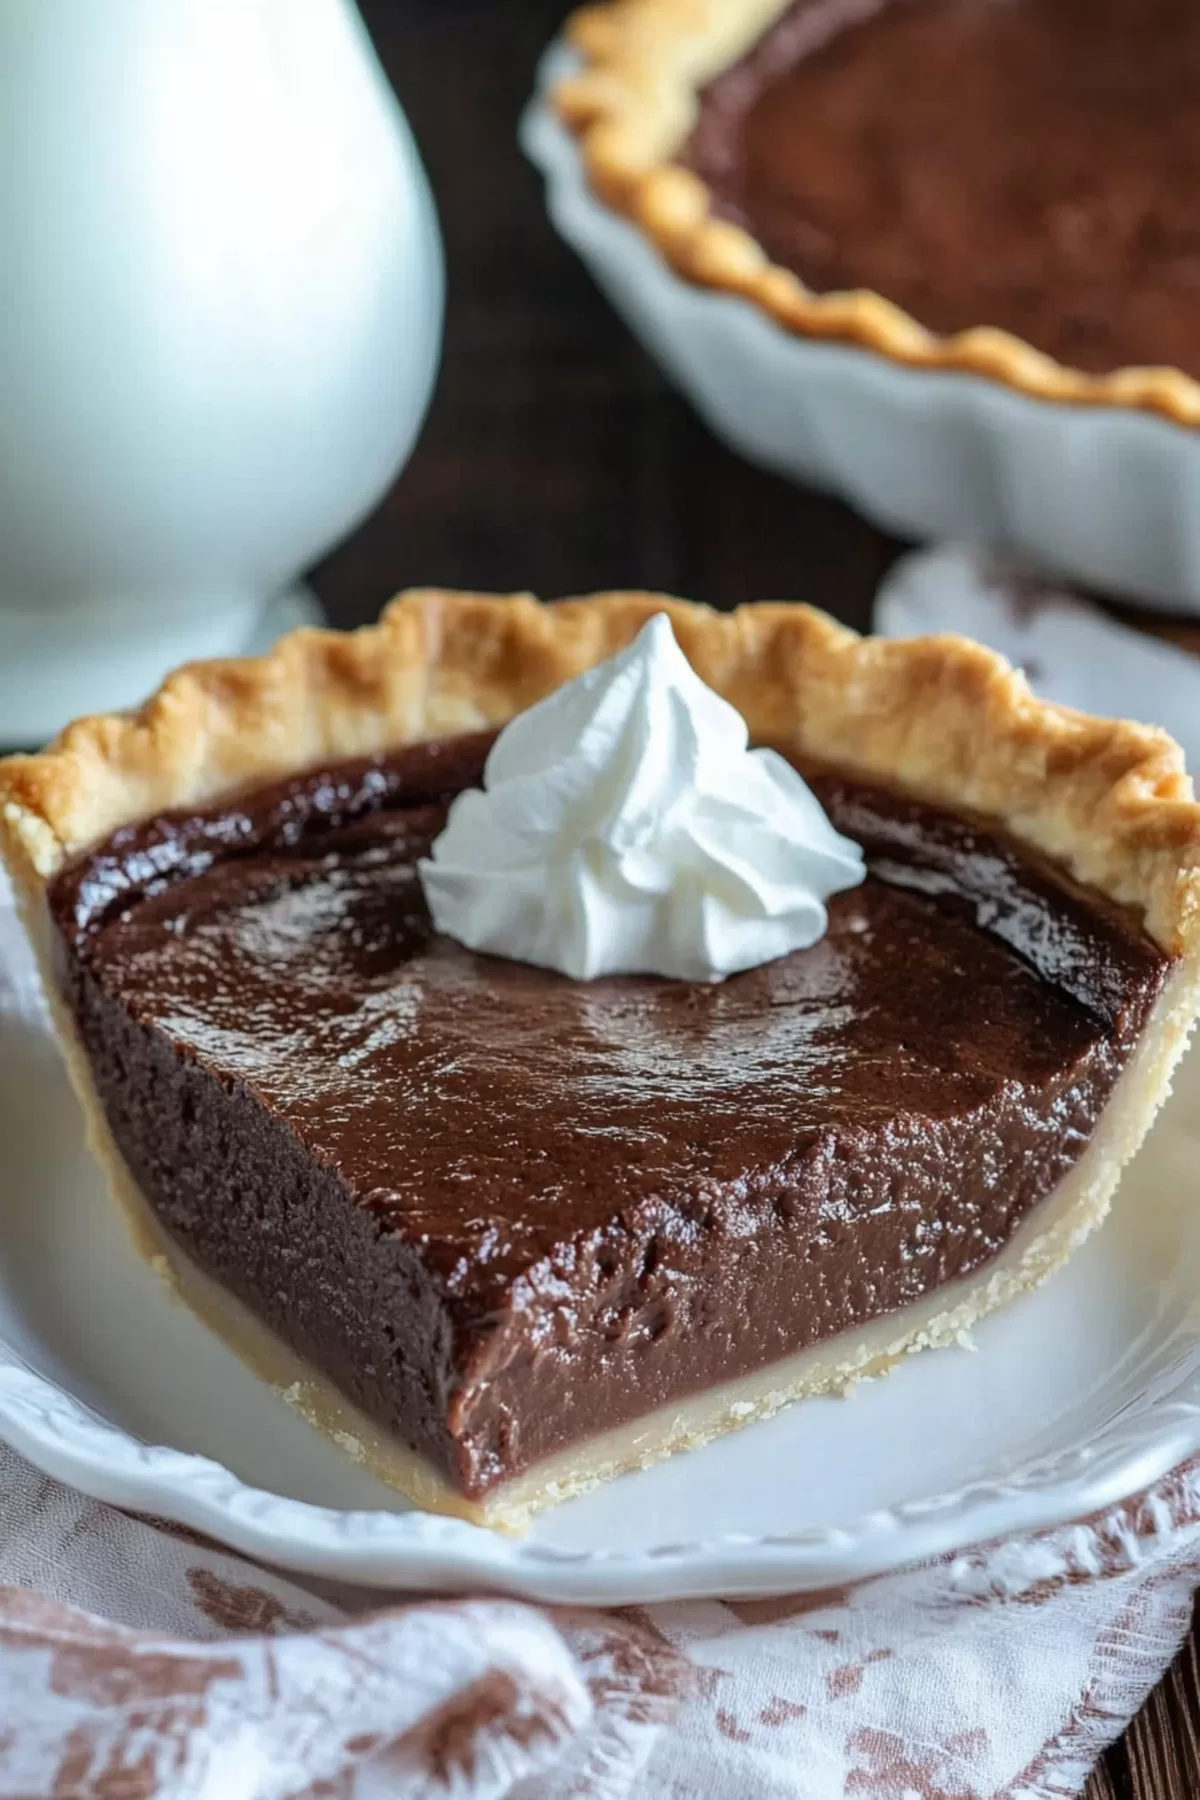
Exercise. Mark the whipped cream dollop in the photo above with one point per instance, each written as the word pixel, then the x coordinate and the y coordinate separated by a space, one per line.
pixel 625 827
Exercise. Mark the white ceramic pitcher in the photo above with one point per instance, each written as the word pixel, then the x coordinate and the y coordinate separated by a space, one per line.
pixel 220 311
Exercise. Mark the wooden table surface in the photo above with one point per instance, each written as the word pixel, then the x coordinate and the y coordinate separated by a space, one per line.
pixel 555 458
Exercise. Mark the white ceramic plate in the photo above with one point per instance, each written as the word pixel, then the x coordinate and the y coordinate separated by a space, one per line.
pixel 1074 1398
pixel 1102 494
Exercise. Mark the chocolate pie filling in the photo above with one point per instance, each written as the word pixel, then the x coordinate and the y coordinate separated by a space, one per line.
pixel 502 1210
pixel 1030 164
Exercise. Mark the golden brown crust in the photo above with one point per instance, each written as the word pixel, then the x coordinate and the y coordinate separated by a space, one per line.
pixel 940 716
pixel 634 104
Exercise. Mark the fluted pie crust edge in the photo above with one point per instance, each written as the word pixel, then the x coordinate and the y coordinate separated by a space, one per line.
pixel 940 718
pixel 633 105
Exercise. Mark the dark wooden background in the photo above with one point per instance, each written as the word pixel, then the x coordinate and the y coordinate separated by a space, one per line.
pixel 556 458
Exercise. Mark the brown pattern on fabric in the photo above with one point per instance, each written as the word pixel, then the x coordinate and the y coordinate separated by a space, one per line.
pixel 365 1743
pixel 890 1772
pixel 843 1682
pixel 105 1664
pixel 636 1680
pixel 130 1716
pixel 106 1674
pixel 117 1780
pixel 455 1745
pixel 781 1711
pixel 676 1675
pixel 729 1728
pixel 25 1615
pixel 629 1664
pixel 340 1788
pixel 160 1693
pixel 449 1742
pixel 243 1608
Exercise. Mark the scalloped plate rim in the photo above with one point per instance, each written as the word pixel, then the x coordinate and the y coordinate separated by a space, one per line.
pixel 66 1440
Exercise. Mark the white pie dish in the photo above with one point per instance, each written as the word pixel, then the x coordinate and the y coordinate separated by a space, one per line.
pixel 1077 1396
pixel 1107 495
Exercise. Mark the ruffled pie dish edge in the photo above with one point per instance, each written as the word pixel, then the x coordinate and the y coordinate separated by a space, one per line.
pixel 633 103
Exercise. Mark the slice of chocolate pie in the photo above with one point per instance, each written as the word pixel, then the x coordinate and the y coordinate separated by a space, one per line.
pixel 1003 186
pixel 506 1232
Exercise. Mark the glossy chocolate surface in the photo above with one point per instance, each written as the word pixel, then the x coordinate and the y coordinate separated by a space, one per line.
pixel 502 1209
pixel 1028 164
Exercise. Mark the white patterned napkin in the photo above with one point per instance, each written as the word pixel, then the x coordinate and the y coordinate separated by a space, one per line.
pixel 139 1663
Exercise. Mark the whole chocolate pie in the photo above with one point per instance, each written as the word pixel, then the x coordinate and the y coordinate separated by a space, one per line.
pixel 1004 186
pixel 505 1233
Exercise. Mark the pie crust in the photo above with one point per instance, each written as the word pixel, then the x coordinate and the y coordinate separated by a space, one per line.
pixel 634 103
pixel 940 718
